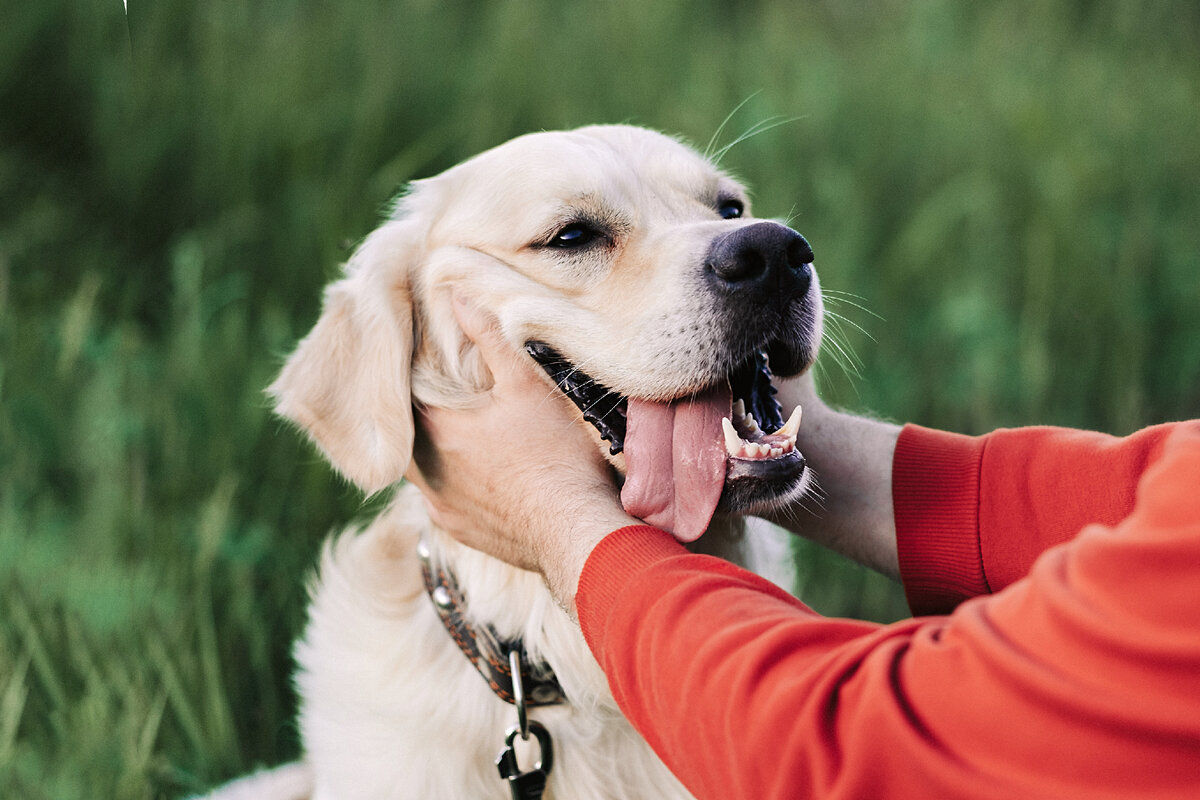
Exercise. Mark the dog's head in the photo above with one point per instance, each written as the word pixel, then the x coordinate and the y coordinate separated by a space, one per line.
pixel 634 272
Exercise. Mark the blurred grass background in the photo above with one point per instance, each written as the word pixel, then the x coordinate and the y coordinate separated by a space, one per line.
pixel 1009 188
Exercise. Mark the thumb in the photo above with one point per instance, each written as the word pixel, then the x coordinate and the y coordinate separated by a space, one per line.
pixel 483 330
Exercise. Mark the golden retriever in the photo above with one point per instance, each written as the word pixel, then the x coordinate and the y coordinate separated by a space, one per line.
pixel 632 269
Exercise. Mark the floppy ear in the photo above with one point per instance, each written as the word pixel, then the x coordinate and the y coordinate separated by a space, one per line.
pixel 348 385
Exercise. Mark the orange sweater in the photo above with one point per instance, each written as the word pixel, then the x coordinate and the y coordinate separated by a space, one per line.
pixel 1081 679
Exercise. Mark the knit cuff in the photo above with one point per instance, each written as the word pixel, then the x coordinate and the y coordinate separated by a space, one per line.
pixel 611 565
pixel 935 491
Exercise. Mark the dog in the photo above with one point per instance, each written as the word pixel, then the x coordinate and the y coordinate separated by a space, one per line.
pixel 632 271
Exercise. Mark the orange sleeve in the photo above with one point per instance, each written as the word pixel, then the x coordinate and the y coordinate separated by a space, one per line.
pixel 973 513
pixel 1080 680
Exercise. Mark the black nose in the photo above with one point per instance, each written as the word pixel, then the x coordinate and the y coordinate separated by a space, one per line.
pixel 764 258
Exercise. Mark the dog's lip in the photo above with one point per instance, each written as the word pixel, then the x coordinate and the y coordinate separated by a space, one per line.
pixel 785 467
pixel 602 407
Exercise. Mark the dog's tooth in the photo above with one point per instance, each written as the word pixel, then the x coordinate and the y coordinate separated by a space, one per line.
pixel 739 409
pixel 776 452
pixel 733 442
pixel 792 426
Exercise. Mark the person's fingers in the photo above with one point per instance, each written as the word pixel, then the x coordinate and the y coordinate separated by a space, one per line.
pixel 502 359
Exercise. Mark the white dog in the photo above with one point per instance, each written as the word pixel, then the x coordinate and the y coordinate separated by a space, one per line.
pixel 633 271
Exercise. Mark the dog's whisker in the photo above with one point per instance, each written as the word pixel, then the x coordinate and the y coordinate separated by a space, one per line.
pixel 823 370
pixel 843 358
pixel 837 333
pixel 758 128
pixel 616 402
pixel 842 293
pixel 812 503
pixel 837 319
pixel 837 299
pixel 717 133
pixel 755 129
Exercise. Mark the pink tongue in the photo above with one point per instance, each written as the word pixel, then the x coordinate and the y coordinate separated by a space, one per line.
pixel 675 461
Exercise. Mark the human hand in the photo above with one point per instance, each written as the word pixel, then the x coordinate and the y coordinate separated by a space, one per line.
pixel 520 475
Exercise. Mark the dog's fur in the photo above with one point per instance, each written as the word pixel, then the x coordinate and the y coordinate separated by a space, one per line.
pixel 390 707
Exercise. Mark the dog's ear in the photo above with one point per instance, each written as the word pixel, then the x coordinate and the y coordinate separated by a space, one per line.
pixel 348 384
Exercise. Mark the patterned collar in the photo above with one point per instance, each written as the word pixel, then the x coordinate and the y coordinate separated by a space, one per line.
pixel 486 649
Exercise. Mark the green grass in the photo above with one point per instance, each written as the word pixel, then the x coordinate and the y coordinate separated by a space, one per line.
pixel 1008 189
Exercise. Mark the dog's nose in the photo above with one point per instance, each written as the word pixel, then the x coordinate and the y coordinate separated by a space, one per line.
pixel 764 257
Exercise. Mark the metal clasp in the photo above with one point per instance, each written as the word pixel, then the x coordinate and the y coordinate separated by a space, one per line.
pixel 530 784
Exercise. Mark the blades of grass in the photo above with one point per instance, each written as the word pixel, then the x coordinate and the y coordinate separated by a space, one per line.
pixel 149 732
pixel 77 323
pixel 175 690
pixel 12 706
pixel 213 526
pixel 44 667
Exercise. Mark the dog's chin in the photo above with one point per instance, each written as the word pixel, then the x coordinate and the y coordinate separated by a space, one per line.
pixel 755 487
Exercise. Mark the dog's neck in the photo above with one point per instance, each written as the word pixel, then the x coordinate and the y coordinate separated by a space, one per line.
pixel 514 608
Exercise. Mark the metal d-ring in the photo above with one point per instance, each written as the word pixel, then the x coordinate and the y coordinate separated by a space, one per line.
pixel 514 666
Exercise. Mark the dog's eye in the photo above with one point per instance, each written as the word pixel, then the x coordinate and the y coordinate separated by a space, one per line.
pixel 730 209
pixel 577 234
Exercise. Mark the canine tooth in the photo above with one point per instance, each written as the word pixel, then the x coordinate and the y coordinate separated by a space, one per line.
pixel 792 426
pixel 733 442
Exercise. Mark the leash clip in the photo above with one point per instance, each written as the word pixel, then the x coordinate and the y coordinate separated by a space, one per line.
pixel 530 784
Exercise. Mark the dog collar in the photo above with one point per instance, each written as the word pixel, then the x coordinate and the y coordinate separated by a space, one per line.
pixel 490 653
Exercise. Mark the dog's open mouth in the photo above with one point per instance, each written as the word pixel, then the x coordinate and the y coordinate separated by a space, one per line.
pixel 687 458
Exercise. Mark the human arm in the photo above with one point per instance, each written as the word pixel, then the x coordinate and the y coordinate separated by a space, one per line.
pixel 851 457
pixel 1077 681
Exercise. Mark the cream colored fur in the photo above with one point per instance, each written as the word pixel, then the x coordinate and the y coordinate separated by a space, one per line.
pixel 390 706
